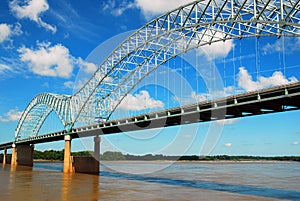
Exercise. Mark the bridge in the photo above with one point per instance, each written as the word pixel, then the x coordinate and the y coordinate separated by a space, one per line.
pixel 184 29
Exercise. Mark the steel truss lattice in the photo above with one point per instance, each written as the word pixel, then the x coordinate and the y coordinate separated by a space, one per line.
pixel 176 32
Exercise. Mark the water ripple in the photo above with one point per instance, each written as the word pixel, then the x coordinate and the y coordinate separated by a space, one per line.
pixel 231 188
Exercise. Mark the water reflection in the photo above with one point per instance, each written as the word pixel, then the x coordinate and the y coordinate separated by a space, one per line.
pixel 79 187
pixel 66 185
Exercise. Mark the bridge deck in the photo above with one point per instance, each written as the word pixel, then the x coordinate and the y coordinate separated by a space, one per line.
pixel 271 100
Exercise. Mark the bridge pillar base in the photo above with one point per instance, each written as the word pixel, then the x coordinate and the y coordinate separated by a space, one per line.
pixel 96 154
pixel 86 164
pixel 4 157
pixel 14 155
pixel 89 164
pixel 25 155
pixel 68 162
pixel 1 158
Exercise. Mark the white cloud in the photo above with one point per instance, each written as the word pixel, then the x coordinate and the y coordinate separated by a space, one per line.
pixel 118 8
pixel 10 66
pixel 245 80
pixel 296 143
pixel 69 84
pixel 4 68
pixel 47 60
pixel 53 60
pixel 86 66
pixel 286 44
pixel 198 97
pixel 46 85
pixel 227 121
pixel 228 144
pixel 11 115
pixel 139 102
pixel 192 98
pixel 151 8
pixel 32 9
pixel 17 29
pixel 218 49
pixel 5 32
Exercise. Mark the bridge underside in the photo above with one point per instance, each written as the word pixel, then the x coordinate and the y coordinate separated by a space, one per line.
pixel 273 100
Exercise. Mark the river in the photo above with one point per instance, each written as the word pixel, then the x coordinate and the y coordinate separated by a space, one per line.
pixel 177 181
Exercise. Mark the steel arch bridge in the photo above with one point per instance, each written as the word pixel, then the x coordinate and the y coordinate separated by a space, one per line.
pixel 176 32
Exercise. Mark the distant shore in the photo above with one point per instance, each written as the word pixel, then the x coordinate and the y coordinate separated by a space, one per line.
pixel 46 161
pixel 215 161
pixel 57 156
pixel 181 161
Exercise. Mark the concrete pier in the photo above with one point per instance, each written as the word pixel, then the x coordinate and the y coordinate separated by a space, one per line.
pixel 86 164
pixel 14 155
pixel 4 157
pixel 25 155
pixel 68 163
pixel 89 164
pixel 97 141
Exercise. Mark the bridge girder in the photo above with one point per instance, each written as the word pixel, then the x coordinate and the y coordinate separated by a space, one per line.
pixel 188 27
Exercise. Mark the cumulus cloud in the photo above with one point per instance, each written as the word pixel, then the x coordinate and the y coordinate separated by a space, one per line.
pixel 11 115
pixel 32 9
pixel 152 8
pixel 140 101
pixel 53 60
pixel 218 49
pixel 86 66
pixel 149 8
pixel 47 60
pixel 245 80
pixel 5 32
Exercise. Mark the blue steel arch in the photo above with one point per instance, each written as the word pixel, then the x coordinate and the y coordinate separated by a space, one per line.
pixel 187 27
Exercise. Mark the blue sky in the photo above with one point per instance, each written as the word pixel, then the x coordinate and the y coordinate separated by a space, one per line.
pixel 45 46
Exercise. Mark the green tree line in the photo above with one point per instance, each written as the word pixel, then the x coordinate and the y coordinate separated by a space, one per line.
pixel 55 155
pixel 111 155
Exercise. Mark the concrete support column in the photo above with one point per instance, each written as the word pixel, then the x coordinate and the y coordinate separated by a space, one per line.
pixel 4 156
pixel 97 141
pixel 14 155
pixel 68 166
pixel 89 164
pixel 25 154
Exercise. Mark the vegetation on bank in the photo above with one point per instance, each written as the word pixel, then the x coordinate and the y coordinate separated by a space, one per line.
pixel 110 156
pixel 55 155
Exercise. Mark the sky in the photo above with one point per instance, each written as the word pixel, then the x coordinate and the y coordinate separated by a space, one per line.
pixel 46 46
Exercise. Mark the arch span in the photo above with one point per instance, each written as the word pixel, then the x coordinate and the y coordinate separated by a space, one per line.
pixel 38 110
pixel 187 27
